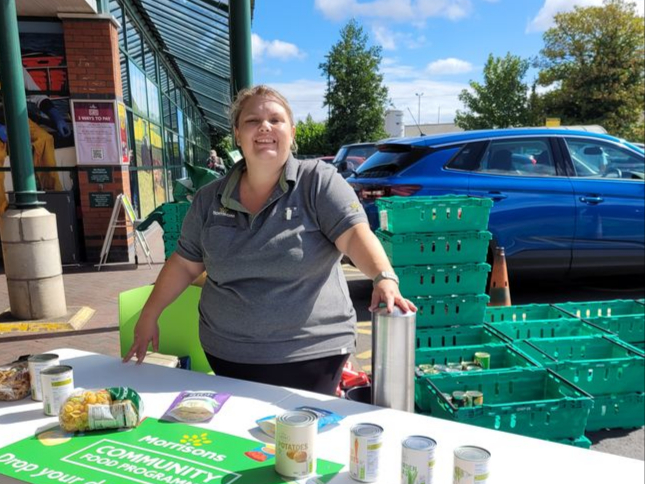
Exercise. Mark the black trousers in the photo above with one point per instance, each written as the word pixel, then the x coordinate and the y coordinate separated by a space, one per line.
pixel 321 375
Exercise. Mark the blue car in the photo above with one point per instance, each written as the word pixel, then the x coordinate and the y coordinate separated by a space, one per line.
pixel 566 203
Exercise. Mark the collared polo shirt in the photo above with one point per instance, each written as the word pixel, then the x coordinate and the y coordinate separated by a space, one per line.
pixel 275 291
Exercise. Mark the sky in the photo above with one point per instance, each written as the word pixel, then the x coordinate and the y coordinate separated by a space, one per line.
pixel 431 49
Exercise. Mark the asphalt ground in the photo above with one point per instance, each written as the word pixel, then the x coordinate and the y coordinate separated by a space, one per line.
pixel 85 286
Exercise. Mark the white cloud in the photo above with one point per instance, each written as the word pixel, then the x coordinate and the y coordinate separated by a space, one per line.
pixel 275 49
pixel 544 18
pixel 390 40
pixel 305 97
pixel 449 66
pixel 394 10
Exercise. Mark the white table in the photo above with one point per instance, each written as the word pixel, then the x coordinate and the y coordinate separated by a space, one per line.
pixel 515 459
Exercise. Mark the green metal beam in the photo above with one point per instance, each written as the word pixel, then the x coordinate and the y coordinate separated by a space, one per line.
pixel 240 42
pixel 15 108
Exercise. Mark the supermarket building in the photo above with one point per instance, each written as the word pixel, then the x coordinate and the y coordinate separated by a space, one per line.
pixel 120 94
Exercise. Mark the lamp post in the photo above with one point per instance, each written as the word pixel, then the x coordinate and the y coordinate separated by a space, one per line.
pixel 418 95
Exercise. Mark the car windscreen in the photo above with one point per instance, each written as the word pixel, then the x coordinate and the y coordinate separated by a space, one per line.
pixel 391 159
pixel 340 156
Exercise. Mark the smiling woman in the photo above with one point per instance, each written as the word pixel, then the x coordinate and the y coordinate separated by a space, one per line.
pixel 275 306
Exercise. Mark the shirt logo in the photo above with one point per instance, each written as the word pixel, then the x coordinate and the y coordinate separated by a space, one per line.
pixel 223 212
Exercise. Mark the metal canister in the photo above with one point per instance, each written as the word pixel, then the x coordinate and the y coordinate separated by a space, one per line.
pixel 471 465
pixel 364 451
pixel 37 363
pixel 295 437
pixel 476 397
pixel 417 460
pixel 57 385
pixel 483 359
pixel 393 349
pixel 459 399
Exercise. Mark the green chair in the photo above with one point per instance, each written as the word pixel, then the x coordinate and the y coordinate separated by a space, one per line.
pixel 178 324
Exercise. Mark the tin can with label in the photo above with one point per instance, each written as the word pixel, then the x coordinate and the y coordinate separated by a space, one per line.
pixel 57 384
pixel 364 448
pixel 476 397
pixel 295 438
pixel 483 359
pixel 459 399
pixel 471 465
pixel 37 363
pixel 417 460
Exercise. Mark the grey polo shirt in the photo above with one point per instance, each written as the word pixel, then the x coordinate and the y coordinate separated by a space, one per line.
pixel 275 290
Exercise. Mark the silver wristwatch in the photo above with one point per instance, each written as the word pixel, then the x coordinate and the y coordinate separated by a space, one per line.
pixel 386 275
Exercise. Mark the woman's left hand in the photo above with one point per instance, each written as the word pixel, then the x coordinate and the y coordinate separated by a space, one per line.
pixel 387 291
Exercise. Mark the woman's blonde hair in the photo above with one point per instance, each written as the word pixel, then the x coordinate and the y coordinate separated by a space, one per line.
pixel 263 91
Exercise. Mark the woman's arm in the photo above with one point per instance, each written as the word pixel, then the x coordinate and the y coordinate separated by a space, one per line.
pixel 361 245
pixel 174 278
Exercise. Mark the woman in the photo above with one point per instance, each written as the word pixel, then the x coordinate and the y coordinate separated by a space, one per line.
pixel 275 307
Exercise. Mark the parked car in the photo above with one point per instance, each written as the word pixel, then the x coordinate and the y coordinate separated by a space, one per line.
pixel 566 203
pixel 350 157
pixel 326 159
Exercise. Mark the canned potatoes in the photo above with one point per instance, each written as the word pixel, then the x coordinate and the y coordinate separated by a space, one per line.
pixel 417 460
pixel 295 436
pixel 36 364
pixel 471 465
pixel 364 448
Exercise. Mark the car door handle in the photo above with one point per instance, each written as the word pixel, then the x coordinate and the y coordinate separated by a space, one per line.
pixel 497 196
pixel 592 200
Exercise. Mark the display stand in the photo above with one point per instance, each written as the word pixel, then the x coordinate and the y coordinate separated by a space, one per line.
pixel 122 200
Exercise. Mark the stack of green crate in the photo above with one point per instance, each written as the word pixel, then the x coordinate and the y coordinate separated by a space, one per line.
pixel 172 218
pixel 580 342
pixel 438 247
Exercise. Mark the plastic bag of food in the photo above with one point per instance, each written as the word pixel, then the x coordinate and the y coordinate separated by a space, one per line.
pixel 99 409
pixel 195 406
pixel 14 381
pixel 326 418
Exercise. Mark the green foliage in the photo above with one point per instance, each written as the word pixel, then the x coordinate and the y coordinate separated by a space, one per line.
pixel 594 57
pixel 311 138
pixel 501 101
pixel 355 96
pixel 222 143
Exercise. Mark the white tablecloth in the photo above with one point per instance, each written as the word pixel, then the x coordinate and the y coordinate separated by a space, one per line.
pixel 515 459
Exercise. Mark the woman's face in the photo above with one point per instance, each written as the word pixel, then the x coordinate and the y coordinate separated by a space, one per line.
pixel 264 131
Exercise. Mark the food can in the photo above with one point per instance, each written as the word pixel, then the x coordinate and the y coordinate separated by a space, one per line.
pixel 36 364
pixel 57 385
pixel 474 368
pixel 417 460
pixel 483 359
pixel 476 397
pixel 365 446
pixel 295 437
pixel 471 465
pixel 459 399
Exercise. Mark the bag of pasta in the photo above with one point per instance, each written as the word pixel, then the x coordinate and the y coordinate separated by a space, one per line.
pixel 14 381
pixel 99 409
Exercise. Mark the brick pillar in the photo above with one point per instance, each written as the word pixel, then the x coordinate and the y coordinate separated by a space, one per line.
pixel 94 72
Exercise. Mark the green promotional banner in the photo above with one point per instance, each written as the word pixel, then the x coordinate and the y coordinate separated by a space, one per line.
pixel 154 452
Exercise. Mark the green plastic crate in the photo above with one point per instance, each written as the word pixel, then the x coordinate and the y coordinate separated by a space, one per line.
pixel 581 442
pixel 529 401
pixel 455 336
pixel 558 328
pixel 525 312
pixel 598 365
pixel 597 309
pixel 448 213
pixel 437 311
pixel 629 328
pixel 173 213
pixel 502 356
pixel 443 279
pixel 622 411
pixel 435 248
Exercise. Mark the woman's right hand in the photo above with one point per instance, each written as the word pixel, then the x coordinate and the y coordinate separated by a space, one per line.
pixel 146 330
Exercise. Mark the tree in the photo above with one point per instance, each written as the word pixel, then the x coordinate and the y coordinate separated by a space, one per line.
pixel 311 137
pixel 355 96
pixel 501 101
pixel 594 57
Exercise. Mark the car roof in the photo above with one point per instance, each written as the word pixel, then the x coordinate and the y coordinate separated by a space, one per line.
pixel 462 136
